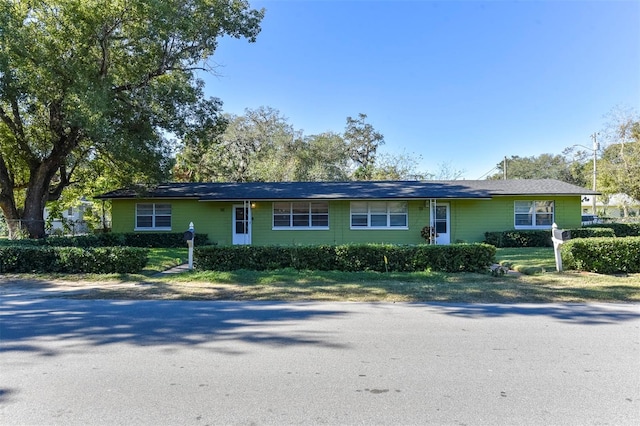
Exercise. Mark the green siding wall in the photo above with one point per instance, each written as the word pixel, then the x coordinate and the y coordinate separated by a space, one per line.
pixel 339 231
pixel 470 219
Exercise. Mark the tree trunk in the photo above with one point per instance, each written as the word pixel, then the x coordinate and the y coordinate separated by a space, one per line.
pixel 38 195
pixel 30 220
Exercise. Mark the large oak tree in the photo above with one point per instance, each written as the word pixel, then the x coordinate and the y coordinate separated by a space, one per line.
pixel 83 81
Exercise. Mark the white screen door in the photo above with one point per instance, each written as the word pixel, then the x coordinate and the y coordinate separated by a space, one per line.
pixel 442 223
pixel 241 224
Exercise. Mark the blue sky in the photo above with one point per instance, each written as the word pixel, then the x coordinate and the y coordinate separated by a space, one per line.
pixel 462 83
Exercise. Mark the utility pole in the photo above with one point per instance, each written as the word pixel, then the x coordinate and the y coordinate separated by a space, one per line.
pixel 504 168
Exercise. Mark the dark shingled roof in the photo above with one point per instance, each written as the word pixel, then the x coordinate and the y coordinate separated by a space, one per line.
pixel 451 189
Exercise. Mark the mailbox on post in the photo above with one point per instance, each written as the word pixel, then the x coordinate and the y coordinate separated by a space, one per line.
pixel 558 236
pixel 189 237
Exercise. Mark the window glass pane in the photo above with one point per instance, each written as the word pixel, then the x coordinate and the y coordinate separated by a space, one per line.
pixel 144 209
pixel 358 207
pixel 300 220
pixel 281 220
pixel 523 207
pixel 544 219
pixel 163 209
pixel 398 220
pixel 544 213
pixel 441 227
pixel 378 220
pixel 524 220
pixel 441 212
pixel 281 208
pixel 300 208
pixel 378 207
pixel 144 221
pixel 163 221
pixel 320 220
pixel 544 206
pixel 398 207
pixel 322 207
pixel 359 220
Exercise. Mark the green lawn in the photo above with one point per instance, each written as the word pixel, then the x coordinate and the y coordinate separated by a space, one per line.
pixel 161 259
pixel 528 260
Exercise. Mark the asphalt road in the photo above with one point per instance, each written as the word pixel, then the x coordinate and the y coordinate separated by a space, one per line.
pixel 100 362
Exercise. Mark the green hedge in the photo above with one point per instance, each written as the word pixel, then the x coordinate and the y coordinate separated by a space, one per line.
pixel 360 257
pixel 161 239
pixel 602 255
pixel 620 229
pixel 523 238
pixel 132 239
pixel 592 232
pixel 540 238
pixel 21 259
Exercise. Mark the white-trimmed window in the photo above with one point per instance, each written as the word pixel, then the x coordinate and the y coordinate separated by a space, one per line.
pixel 153 216
pixel 301 215
pixel 533 214
pixel 379 214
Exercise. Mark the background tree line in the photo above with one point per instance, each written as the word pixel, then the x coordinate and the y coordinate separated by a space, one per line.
pixel 617 163
pixel 262 145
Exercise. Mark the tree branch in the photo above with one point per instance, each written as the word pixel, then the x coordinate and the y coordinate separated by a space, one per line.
pixel 15 125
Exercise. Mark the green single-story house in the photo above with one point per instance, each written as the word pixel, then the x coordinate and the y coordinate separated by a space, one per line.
pixel 395 212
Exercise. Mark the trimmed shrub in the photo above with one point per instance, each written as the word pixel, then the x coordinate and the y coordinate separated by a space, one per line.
pixel 592 232
pixel 148 240
pixel 602 255
pixel 519 238
pixel 541 238
pixel 352 257
pixel 28 259
pixel 620 229
pixel 21 259
pixel 160 239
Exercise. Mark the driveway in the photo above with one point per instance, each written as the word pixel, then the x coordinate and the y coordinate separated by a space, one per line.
pixel 178 362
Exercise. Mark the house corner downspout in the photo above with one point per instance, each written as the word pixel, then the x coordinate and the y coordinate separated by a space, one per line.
pixel 432 219
pixel 248 221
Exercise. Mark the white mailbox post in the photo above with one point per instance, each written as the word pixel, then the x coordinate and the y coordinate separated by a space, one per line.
pixel 558 236
pixel 189 237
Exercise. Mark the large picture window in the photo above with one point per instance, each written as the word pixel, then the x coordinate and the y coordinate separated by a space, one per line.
pixel 533 214
pixel 153 216
pixel 301 215
pixel 379 214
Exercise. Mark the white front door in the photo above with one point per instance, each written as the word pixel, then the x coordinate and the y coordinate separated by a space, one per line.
pixel 442 220
pixel 241 224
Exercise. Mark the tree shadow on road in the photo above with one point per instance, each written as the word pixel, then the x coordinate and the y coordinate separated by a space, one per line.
pixel 594 314
pixel 211 325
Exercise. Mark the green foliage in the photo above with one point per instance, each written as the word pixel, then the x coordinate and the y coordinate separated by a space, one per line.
pixel 542 238
pixel 362 143
pixel 602 255
pixel 148 240
pixel 592 232
pixel 261 145
pixel 544 166
pixel 92 88
pixel 522 238
pixel 619 165
pixel 101 260
pixel 160 239
pixel 619 229
pixel 356 257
